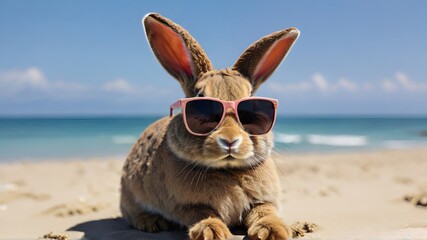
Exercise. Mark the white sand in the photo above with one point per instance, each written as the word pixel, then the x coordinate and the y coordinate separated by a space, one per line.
pixel 349 196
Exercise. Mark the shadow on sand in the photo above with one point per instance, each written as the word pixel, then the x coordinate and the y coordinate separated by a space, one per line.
pixel 118 229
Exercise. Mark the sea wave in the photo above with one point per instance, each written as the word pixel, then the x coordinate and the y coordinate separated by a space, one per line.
pixel 404 144
pixel 338 140
pixel 318 139
pixel 124 139
pixel 287 138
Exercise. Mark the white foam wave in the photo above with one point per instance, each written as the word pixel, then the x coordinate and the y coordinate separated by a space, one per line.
pixel 287 138
pixel 338 140
pixel 124 139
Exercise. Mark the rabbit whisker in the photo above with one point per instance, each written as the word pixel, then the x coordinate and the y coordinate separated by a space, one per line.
pixel 191 170
pixel 196 176
pixel 201 176
pixel 182 170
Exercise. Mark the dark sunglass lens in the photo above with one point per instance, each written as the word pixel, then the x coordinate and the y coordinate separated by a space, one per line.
pixel 256 116
pixel 203 115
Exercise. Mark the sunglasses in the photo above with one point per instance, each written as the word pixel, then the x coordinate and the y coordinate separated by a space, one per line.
pixel 202 115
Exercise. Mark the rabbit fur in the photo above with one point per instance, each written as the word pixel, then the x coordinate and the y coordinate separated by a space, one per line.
pixel 174 179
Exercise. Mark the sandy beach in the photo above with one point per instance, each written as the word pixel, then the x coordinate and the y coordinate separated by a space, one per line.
pixel 370 195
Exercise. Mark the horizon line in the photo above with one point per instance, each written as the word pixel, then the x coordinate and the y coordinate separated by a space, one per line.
pixel 158 115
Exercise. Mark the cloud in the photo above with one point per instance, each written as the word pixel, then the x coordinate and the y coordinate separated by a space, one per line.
pixel 409 85
pixel 346 84
pixel 400 82
pixel 388 85
pixel 317 83
pixel 14 82
pixel 320 82
pixel 17 80
pixel 119 85
pixel 343 84
pixel 31 83
pixel 404 80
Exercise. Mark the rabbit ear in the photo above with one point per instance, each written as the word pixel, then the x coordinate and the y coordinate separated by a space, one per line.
pixel 176 50
pixel 260 59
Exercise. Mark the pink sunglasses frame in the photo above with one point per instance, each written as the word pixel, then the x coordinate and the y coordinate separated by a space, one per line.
pixel 182 103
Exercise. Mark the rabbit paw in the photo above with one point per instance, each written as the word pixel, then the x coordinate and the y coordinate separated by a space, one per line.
pixel 209 229
pixel 151 223
pixel 269 228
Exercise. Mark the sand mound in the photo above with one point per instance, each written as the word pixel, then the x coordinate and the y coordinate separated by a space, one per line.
pixel 52 236
pixel 419 199
pixel 299 229
pixel 74 208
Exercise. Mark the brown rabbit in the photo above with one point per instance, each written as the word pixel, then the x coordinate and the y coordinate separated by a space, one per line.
pixel 222 179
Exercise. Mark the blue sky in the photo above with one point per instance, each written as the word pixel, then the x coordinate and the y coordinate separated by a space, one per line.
pixel 91 57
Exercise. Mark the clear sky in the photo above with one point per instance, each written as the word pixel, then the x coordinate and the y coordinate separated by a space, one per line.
pixel 91 57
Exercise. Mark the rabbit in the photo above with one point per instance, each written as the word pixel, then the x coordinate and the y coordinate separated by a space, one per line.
pixel 174 179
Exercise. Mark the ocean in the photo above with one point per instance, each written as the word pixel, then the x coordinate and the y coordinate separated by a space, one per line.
pixel 43 138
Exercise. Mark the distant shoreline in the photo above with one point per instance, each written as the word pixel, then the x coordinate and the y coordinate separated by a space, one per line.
pixel 165 114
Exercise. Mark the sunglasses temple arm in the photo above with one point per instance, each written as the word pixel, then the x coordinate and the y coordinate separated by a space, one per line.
pixel 176 104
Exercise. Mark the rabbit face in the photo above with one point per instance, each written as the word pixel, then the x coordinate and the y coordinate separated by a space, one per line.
pixel 228 146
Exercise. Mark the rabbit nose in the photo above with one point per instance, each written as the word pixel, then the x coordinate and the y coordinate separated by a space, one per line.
pixel 228 144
